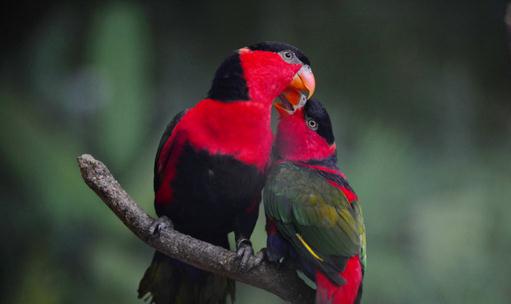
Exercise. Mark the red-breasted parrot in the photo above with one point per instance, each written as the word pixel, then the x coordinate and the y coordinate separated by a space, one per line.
pixel 313 214
pixel 212 162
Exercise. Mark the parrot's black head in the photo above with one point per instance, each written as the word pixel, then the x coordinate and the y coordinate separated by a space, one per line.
pixel 262 72
pixel 276 47
pixel 305 134
pixel 318 120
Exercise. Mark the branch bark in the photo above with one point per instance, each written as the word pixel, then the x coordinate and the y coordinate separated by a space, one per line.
pixel 282 282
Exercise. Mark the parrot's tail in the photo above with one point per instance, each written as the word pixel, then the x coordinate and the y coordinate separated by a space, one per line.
pixel 168 281
pixel 328 292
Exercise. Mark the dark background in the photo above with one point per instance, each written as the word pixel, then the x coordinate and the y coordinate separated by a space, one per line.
pixel 419 93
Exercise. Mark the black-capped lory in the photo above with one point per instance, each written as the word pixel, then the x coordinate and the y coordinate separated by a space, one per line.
pixel 212 162
pixel 313 215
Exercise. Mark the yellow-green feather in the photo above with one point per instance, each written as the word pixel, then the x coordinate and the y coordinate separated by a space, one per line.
pixel 304 202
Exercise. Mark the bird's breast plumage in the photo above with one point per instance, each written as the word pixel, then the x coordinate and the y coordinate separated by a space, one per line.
pixel 214 162
pixel 238 129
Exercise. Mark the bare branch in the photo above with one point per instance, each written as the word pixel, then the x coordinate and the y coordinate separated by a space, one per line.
pixel 282 282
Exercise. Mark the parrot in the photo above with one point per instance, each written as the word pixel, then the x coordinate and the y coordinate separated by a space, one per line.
pixel 313 217
pixel 211 165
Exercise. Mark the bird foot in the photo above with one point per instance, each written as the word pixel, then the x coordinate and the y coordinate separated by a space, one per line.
pixel 244 252
pixel 259 258
pixel 159 224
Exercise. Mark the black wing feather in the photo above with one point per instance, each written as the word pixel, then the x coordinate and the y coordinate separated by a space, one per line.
pixel 168 131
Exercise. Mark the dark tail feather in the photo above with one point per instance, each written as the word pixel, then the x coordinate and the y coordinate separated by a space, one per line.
pixel 168 281
pixel 156 285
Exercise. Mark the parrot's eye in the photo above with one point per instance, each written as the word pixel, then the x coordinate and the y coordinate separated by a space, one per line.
pixel 312 124
pixel 288 56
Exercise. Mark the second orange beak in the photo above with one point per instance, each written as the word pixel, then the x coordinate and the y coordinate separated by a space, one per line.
pixel 298 91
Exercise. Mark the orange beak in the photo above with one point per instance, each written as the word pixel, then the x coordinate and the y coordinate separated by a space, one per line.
pixel 297 92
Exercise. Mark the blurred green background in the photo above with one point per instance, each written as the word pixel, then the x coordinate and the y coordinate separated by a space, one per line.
pixel 419 93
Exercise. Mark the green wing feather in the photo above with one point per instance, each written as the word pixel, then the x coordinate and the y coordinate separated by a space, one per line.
pixel 302 202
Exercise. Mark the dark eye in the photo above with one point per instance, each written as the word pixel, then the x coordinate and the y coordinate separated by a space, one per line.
pixel 312 124
pixel 288 55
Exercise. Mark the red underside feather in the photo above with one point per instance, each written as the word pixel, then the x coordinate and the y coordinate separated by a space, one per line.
pixel 330 293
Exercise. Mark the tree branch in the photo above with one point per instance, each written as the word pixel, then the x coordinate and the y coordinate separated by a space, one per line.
pixel 282 282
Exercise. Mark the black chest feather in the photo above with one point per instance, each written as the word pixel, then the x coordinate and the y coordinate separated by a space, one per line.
pixel 209 190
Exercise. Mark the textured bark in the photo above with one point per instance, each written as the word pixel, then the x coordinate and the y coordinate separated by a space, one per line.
pixel 282 281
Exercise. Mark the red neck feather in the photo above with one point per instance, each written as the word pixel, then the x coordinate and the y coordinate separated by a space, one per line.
pixel 240 129
pixel 266 74
pixel 296 142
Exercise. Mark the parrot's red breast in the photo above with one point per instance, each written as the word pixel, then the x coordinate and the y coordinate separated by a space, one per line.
pixel 239 129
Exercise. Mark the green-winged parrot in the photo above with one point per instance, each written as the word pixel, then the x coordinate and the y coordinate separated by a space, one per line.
pixel 313 215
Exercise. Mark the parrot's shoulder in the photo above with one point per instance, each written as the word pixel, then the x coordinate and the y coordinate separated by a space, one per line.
pixel 284 171
pixel 294 180
pixel 159 162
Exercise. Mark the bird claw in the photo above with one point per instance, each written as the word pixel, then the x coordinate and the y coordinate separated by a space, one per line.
pixel 243 253
pixel 159 224
pixel 259 258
